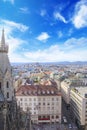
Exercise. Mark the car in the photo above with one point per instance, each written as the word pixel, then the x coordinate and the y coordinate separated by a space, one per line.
pixel 70 126
pixel 64 117
pixel 75 127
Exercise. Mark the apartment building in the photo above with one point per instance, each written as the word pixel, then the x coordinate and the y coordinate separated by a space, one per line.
pixel 66 87
pixel 44 102
pixel 78 105
pixel 65 90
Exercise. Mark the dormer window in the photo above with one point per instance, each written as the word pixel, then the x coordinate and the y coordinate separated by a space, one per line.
pixel 48 92
pixel 39 92
pixel 52 92
pixel 29 92
pixel 43 92
pixel 33 92
pixel 25 92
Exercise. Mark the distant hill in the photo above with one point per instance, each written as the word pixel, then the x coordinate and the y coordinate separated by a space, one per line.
pixel 62 63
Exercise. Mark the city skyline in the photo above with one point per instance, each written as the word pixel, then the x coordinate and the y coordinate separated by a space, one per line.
pixel 48 31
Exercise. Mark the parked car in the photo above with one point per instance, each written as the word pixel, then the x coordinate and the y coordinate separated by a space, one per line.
pixel 64 119
pixel 70 126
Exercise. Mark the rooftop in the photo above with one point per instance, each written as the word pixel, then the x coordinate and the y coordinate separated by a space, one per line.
pixel 82 91
pixel 37 90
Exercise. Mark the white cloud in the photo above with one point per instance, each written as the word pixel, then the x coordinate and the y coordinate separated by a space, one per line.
pixel 81 42
pixel 14 25
pixel 24 10
pixel 43 36
pixel 58 16
pixel 14 43
pixel 12 1
pixel 15 58
pixel 55 54
pixel 43 12
pixel 71 50
pixel 80 16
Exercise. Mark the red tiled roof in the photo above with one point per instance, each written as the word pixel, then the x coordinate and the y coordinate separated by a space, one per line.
pixel 37 90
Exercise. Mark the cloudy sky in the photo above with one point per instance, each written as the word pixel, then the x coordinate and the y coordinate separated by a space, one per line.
pixel 45 31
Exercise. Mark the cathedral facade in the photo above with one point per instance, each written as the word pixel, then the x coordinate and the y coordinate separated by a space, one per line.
pixel 8 109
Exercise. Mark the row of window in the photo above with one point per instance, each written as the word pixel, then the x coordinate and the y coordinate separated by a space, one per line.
pixel 39 99
pixel 42 117
pixel 41 111
pixel 39 92
pixel 44 104
pixel 40 104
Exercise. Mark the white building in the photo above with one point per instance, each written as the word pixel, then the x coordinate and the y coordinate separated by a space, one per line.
pixel 66 87
pixel 78 105
pixel 44 102
pixel 65 90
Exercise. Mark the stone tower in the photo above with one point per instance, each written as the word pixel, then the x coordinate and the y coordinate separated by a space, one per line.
pixel 6 80
pixel 9 113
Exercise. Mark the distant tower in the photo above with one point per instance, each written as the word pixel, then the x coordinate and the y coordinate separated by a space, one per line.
pixel 6 80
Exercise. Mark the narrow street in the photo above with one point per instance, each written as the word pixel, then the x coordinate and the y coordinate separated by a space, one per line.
pixel 70 125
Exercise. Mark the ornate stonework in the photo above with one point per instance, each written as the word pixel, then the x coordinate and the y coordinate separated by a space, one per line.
pixel 6 80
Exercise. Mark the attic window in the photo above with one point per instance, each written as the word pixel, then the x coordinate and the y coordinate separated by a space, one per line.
pixel 29 92
pixel 39 92
pixel 52 92
pixel 24 93
pixel 48 92
pixel 43 92
pixel 33 92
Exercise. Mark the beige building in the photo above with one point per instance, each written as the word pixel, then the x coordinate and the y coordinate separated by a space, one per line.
pixel 65 90
pixel 66 87
pixel 44 102
pixel 78 105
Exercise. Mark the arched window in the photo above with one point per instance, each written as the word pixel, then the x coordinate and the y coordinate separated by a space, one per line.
pixel 7 94
pixel 0 85
pixel 7 84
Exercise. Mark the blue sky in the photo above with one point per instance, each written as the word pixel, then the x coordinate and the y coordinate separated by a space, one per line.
pixel 45 31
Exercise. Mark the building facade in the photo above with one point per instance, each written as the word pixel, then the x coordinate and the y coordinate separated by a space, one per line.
pixel 65 90
pixel 8 118
pixel 78 105
pixel 44 102
pixel 66 87
pixel 6 80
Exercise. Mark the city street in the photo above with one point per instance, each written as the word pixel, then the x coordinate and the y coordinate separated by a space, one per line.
pixel 49 127
pixel 70 125
pixel 53 127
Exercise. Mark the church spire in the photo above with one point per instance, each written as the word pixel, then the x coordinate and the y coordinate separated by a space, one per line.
pixel 3 38
pixel 3 46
